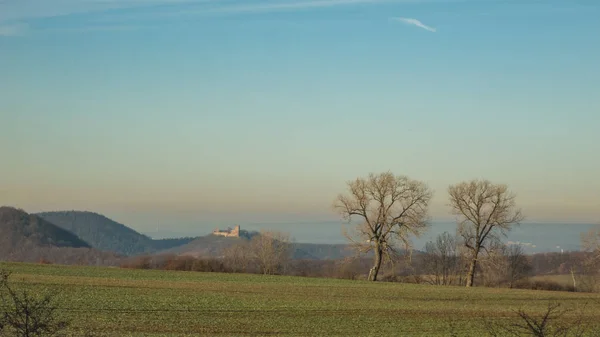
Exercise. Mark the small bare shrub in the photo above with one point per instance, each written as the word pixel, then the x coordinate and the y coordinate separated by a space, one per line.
pixel 441 261
pixel 44 261
pixel 551 323
pixel 25 315
pixel 348 268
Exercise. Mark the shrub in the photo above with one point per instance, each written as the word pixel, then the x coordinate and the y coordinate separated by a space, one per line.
pixel 25 315
pixel 542 285
pixel 551 323
pixel 139 262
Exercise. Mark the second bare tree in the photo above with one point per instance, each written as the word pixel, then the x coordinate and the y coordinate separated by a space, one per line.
pixel 484 212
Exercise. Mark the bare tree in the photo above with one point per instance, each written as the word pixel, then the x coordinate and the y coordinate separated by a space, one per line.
pixel 590 242
pixel 271 250
pixel 441 260
pixel 236 257
pixel 589 275
pixel 591 239
pixel 518 265
pixel 484 212
pixel 492 265
pixel 347 268
pixel 391 208
pixel 503 265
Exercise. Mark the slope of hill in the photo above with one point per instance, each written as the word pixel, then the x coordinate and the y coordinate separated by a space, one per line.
pixel 28 238
pixel 213 246
pixel 17 226
pixel 108 235
pixel 322 251
pixel 209 245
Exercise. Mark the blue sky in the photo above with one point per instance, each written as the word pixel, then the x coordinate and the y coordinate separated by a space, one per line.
pixel 261 110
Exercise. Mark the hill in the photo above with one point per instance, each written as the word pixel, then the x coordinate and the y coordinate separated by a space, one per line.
pixel 213 246
pixel 105 234
pixel 322 251
pixel 205 246
pixel 108 235
pixel 29 238
pixel 18 227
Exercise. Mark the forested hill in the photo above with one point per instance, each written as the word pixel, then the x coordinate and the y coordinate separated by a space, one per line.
pixel 18 227
pixel 108 235
pixel 29 238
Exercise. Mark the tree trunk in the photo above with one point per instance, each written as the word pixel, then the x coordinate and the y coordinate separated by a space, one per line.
pixel 376 263
pixel 574 280
pixel 472 267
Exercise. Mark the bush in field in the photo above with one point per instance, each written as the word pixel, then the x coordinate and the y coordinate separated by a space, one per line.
pixel 139 262
pixel 552 323
pixel 348 269
pixel 442 260
pixel 504 265
pixel 25 315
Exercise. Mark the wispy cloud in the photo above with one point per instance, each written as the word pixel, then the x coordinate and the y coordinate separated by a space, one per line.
pixel 16 10
pixel 246 7
pixel 415 22
pixel 106 28
pixel 299 5
pixel 13 29
pixel 14 14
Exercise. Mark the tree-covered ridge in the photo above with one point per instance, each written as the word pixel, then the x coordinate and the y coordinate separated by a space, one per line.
pixel 106 234
pixel 18 228
pixel 29 238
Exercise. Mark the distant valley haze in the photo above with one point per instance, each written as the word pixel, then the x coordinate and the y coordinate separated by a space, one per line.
pixel 176 117
pixel 534 237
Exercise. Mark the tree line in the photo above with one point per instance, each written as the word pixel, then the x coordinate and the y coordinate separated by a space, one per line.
pixel 392 209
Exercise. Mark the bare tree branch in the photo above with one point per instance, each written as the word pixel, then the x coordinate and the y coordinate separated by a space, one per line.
pixel 391 209
pixel 484 211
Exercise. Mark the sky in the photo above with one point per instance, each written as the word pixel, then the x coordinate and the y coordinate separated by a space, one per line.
pixel 178 112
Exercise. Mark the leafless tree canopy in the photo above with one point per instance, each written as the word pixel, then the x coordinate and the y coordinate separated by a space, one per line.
pixel 484 212
pixel 518 265
pixel 589 274
pixel 590 242
pixel 504 265
pixel 441 260
pixel 237 257
pixel 391 208
pixel 271 250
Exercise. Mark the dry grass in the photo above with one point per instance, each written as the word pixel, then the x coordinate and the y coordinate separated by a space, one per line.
pixel 563 279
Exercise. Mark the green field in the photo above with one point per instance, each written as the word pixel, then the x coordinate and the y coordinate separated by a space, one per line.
pixel 120 302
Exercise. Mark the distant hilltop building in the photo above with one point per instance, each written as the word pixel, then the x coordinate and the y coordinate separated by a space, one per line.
pixel 235 232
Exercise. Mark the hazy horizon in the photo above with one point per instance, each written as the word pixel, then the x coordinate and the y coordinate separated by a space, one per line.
pixel 535 237
pixel 261 111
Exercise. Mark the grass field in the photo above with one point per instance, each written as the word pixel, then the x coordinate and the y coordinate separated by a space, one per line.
pixel 121 302
pixel 562 279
